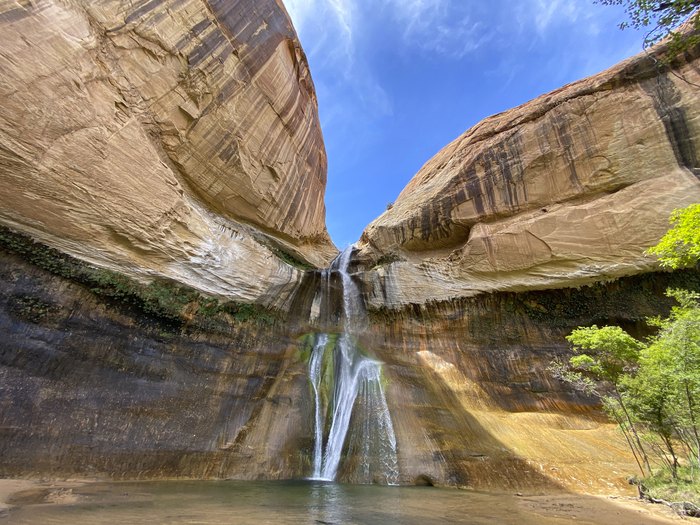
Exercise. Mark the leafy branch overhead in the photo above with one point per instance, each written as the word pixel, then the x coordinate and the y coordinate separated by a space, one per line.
pixel 680 247
pixel 662 19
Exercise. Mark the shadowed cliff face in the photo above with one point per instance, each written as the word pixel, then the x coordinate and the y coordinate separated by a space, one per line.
pixel 563 190
pixel 175 139
pixel 93 386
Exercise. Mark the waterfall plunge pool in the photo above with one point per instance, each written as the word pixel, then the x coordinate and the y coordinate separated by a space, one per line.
pixel 306 502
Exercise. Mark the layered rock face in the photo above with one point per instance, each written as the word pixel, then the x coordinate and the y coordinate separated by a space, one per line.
pixel 474 405
pixel 93 387
pixel 529 206
pixel 564 190
pixel 178 139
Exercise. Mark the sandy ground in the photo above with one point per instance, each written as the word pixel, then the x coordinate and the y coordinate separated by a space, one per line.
pixel 561 508
pixel 9 487
pixel 25 491
pixel 615 510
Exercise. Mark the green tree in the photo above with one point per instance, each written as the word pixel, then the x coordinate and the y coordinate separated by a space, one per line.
pixel 604 358
pixel 676 349
pixel 680 246
pixel 613 352
pixel 661 18
pixel 649 393
pixel 664 393
pixel 651 388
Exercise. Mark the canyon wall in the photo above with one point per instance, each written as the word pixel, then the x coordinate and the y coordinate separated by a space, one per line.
pixel 564 190
pixel 178 139
pixel 163 174
pixel 97 381
pixel 94 386
pixel 473 403
pixel 531 223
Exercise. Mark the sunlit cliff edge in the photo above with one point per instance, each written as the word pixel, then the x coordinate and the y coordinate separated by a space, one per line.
pixel 565 190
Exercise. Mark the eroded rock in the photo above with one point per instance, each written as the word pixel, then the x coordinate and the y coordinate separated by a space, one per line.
pixel 567 189
pixel 169 139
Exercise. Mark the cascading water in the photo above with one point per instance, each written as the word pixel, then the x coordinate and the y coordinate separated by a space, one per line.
pixel 315 377
pixel 353 375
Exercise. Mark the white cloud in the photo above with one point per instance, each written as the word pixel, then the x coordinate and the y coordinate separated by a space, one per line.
pixel 324 25
pixel 443 27
pixel 325 28
pixel 546 15
pixel 328 30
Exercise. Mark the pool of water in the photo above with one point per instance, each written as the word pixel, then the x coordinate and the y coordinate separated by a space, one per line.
pixel 303 502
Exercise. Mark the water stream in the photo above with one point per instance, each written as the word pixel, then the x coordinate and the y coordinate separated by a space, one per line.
pixel 358 399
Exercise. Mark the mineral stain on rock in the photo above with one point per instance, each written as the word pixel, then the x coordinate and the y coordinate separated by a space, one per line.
pixel 668 103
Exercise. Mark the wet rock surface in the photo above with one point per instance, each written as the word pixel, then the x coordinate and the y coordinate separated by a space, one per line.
pixel 93 387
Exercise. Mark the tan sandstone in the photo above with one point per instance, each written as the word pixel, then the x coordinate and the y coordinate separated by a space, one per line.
pixel 564 190
pixel 178 139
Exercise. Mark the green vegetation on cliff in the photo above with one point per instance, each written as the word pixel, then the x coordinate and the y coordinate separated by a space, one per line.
pixel 290 259
pixel 651 388
pixel 165 301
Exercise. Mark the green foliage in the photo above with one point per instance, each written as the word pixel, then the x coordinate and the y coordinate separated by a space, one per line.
pixel 305 345
pixel 680 246
pixel 246 312
pixel 565 372
pixel 671 371
pixel 291 259
pixel 662 17
pixel 663 486
pixel 208 307
pixel 161 298
pixel 613 351
pixel 651 388
pixel 164 300
pixel 32 309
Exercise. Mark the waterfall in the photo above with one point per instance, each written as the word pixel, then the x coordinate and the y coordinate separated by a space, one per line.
pixel 315 377
pixel 354 374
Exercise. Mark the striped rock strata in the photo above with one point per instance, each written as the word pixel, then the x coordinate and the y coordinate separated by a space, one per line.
pixel 564 190
pixel 178 139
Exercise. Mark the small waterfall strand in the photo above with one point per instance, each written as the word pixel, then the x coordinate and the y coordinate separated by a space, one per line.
pixel 315 376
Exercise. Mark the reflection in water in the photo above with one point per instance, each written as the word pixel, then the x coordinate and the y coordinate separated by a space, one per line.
pixel 326 504
pixel 306 503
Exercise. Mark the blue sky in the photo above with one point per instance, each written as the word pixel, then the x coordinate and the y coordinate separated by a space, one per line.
pixel 397 80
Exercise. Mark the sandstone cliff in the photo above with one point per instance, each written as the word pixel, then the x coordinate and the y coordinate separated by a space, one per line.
pixel 178 139
pixel 566 189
